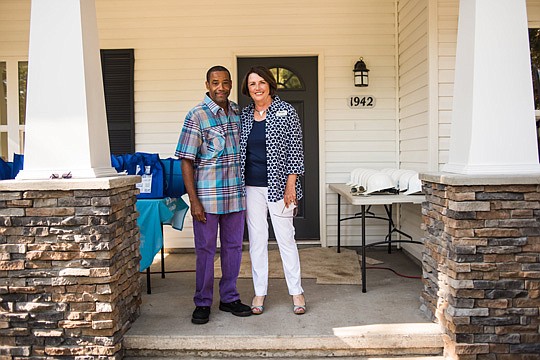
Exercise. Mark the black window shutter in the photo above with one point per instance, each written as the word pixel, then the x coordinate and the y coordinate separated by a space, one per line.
pixel 118 68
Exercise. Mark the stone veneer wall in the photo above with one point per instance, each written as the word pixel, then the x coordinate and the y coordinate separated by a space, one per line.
pixel 482 264
pixel 69 256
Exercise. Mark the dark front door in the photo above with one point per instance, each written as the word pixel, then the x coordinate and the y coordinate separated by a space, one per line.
pixel 298 85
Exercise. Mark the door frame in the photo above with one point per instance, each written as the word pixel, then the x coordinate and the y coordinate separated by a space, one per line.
pixel 323 188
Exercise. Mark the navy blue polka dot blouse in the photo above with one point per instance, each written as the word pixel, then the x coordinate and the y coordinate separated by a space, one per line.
pixel 284 150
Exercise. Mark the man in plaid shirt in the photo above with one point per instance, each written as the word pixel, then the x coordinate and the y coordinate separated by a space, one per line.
pixel 209 149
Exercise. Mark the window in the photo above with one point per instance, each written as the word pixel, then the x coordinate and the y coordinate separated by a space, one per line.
pixel 12 103
pixel 3 111
pixel 534 39
pixel 286 79
pixel 23 75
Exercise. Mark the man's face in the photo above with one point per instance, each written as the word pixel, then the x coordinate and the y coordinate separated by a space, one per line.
pixel 219 87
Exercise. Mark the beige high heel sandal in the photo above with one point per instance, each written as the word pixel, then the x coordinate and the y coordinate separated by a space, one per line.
pixel 257 309
pixel 299 309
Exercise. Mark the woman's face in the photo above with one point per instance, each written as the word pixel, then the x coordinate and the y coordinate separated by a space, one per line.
pixel 259 90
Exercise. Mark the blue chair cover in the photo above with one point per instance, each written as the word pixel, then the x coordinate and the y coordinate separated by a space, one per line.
pixel 5 170
pixel 117 162
pixel 174 183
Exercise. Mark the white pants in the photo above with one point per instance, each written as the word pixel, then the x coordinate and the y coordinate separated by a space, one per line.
pixel 256 213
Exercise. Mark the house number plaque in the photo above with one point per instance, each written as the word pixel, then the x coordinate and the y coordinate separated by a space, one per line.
pixel 361 102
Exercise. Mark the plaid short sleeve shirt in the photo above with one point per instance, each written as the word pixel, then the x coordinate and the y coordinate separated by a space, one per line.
pixel 210 138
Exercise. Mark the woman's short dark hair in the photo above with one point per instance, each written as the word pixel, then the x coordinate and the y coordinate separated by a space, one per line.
pixel 263 72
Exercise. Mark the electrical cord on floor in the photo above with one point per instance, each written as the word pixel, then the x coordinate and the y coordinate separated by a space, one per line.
pixel 367 267
pixel 392 270
pixel 171 271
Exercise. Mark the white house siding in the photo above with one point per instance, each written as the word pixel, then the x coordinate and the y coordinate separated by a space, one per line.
pixel 447 23
pixel 425 123
pixel 415 133
pixel 533 13
pixel 355 138
pixel 413 84
pixel 176 42
pixel 14 30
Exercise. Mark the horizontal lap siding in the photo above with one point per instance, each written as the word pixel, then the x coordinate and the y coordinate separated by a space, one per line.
pixel 175 43
pixel 14 29
pixel 358 137
pixel 447 21
pixel 533 13
pixel 413 105
pixel 413 82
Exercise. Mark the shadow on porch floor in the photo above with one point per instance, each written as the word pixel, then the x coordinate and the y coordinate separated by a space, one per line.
pixel 340 321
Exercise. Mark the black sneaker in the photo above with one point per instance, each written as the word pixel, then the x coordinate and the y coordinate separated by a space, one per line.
pixel 201 315
pixel 236 308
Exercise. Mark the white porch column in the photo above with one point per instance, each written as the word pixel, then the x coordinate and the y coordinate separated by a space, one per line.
pixel 66 125
pixel 493 125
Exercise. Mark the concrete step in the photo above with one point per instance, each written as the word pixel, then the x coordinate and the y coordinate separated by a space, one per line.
pixel 299 358
pixel 402 340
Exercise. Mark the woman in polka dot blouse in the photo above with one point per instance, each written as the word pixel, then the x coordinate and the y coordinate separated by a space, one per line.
pixel 272 160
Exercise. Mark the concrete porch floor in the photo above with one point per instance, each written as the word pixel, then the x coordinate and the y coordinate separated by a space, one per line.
pixel 340 321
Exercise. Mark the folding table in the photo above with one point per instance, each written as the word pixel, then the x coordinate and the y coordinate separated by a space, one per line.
pixel 386 200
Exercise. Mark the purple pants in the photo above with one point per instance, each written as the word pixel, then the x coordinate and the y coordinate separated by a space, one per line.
pixel 231 233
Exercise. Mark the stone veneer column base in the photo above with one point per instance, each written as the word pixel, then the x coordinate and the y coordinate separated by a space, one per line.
pixel 69 267
pixel 481 264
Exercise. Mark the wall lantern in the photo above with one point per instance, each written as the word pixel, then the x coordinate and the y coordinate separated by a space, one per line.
pixel 361 78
